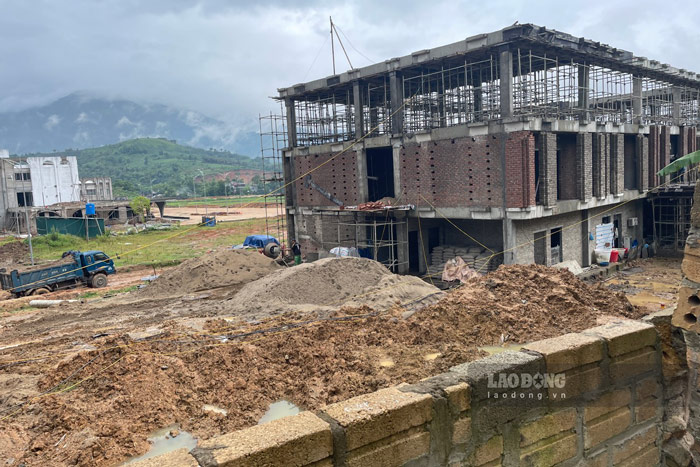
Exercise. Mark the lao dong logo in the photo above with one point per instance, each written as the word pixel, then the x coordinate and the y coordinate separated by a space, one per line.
pixel 514 385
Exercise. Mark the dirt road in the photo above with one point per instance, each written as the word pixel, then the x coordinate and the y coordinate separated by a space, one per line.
pixel 235 213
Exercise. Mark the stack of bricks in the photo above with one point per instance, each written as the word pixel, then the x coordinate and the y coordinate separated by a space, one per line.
pixel 611 414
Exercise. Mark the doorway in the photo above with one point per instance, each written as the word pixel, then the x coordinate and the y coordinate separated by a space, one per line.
pixel 555 245
pixel 380 173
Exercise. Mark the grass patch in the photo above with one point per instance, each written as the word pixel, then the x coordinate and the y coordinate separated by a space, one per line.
pixel 154 248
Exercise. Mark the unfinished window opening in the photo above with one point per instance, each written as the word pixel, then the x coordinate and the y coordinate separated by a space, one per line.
pixel 674 148
pixel 631 182
pixel 566 166
pixel 540 242
pixel 413 252
pixel 380 173
pixel 555 245
pixel 538 165
pixel 617 226
pixel 25 199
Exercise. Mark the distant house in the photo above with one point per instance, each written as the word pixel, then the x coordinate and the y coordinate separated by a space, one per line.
pixel 96 189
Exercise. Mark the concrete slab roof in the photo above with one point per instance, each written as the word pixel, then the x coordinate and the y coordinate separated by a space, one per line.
pixel 523 35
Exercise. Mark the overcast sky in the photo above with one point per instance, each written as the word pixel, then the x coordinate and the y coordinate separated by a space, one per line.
pixel 225 58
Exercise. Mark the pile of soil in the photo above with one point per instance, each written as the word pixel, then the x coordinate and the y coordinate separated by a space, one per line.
pixel 161 382
pixel 13 253
pixel 325 285
pixel 222 268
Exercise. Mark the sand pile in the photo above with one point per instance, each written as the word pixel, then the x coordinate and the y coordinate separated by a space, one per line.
pixel 223 268
pixel 327 284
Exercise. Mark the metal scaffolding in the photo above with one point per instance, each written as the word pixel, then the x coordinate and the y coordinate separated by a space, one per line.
pixel 671 216
pixel 375 235
pixel 273 139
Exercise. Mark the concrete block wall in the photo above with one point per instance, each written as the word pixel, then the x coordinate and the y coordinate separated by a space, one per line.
pixel 617 164
pixel 584 166
pixel 548 168
pixel 595 398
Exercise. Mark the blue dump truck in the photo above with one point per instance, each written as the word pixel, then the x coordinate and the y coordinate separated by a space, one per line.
pixel 74 269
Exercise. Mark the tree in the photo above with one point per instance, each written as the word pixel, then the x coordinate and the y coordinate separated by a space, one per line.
pixel 140 205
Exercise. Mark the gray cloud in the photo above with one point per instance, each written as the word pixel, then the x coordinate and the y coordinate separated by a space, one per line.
pixel 225 58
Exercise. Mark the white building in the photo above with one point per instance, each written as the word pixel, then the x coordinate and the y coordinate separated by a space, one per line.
pixel 37 181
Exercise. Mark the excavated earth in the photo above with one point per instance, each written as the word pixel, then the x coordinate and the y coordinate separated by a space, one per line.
pixel 85 385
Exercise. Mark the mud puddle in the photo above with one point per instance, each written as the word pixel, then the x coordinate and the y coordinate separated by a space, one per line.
pixel 279 409
pixel 162 442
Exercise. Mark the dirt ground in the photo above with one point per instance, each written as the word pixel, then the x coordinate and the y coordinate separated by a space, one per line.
pixel 235 212
pixel 85 384
pixel 651 284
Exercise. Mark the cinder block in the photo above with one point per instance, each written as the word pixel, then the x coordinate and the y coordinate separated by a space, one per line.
pixel 646 388
pixel 607 403
pixel 291 441
pixel 547 426
pixel 607 426
pixel 397 450
pixel 635 444
pixel 177 458
pixel 378 415
pixel 650 456
pixel 625 336
pixel 580 381
pixel 461 430
pixel 646 409
pixel 551 451
pixel 633 364
pixel 490 451
pixel 568 351
pixel 459 396
pixel 599 459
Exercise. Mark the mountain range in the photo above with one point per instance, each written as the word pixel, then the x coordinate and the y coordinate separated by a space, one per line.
pixel 81 120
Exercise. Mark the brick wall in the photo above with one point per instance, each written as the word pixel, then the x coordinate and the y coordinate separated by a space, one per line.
pixel 520 169
pixel 339 177
pixel 608 411
pixel 601 164
pixel 451 173
pixel 584 166
pixel 617 164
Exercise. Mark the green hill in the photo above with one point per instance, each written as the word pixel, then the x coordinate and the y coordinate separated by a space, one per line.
pixel 137 165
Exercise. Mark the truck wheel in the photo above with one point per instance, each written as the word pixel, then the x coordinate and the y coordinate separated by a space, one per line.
pixel 41 291
pixel 99 280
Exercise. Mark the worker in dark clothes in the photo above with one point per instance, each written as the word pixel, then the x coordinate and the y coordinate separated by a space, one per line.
pixel 296 251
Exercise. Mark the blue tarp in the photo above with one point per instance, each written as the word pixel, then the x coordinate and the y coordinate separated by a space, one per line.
pixel 259 241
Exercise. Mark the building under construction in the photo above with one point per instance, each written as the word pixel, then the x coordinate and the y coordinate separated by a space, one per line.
pixel 524 141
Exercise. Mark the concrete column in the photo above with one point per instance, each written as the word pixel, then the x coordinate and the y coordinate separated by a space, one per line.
pixel 396 155
pixel 291 123
pixel 676 105
pixel 357 109
pixel 396 92
pixel 122 213
pixel 506 83
pixel 548 168
pixel 584 166
pixel 362 188
pixel 402 248
pixel 509 241
pixel 585 242
pixel 617 164
pixel 583 85
pixel 637 100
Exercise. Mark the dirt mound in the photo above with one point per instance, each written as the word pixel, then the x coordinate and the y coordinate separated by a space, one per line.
pixel 13 253
pixel 222 268
pixel 531 302
pixel 327 284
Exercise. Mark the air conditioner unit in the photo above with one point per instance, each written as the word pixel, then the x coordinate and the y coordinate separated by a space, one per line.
pixel 632 222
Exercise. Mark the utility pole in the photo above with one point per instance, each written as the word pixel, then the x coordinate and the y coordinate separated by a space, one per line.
pixel 204 182
pixel 332 44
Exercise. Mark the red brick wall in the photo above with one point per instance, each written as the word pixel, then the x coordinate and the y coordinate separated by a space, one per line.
pixel 339 177
pixel 452 173
pixel 520 169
